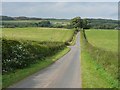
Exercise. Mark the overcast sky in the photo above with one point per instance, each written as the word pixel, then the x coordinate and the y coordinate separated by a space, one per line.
pixel 61 9
pixel 60 0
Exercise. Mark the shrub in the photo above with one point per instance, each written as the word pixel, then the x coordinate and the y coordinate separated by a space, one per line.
pixel 20 54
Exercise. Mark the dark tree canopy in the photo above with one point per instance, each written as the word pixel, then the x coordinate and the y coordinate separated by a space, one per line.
pixel 79 23
pixel 44 23
pixel 76 22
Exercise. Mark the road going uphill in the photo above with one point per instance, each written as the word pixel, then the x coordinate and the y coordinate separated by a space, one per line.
pixel 64 73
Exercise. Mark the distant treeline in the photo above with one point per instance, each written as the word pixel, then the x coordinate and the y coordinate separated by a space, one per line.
pixel 26 18
pixel 18 18
pixel 26 24
pixel 46 22
pixel 103 23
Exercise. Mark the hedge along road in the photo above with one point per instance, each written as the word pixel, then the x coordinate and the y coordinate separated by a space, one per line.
pixel 64 73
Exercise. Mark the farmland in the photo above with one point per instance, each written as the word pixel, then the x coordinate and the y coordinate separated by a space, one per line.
pixel 24 48
pixel 51 20
pixel 38 34
pixel 59 45
pixel 104 39
pixel 28 46
pixel 36 23
pixel 58 23
pixel 100 55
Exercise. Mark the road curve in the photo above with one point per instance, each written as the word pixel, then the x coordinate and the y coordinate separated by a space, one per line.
pixel 64 73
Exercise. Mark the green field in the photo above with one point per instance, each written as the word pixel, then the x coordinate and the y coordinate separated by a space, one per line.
pixel 104 39
pixel 27 50
pixel 52 20
pixel 38 34
pixel 63 22
pixel 99 59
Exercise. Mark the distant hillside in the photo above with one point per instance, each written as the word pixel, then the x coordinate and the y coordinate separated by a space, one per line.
pixel 103 23
pixel 93 23
pixel 18 18
pixel 26 18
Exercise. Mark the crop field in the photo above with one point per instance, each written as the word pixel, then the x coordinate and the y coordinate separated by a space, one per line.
pixel 100 55
pixel 105 39
pixel 38 34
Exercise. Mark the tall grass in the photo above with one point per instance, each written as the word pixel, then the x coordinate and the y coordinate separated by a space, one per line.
pixel 105 57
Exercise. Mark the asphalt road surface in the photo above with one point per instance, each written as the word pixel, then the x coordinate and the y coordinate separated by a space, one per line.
pixel 64 73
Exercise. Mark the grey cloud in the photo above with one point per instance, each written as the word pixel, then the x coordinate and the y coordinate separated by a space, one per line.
pixel 61 9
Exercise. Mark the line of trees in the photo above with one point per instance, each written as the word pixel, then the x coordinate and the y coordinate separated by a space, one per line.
pixel 80 24
pixel 18 18
pixel 103 23
pixel 43 23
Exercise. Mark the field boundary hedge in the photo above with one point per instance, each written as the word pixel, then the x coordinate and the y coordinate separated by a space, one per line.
pixel 18 54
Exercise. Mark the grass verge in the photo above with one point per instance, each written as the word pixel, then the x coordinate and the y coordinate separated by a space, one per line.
pixel 0 81
pixel 99 67
pixel 73 40
pixel 94 75
pixel 22 73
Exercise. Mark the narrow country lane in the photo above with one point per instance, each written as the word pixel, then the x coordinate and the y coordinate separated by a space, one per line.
pixel 64 73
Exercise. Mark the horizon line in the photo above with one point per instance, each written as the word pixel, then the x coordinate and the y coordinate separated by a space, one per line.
pixel 59 18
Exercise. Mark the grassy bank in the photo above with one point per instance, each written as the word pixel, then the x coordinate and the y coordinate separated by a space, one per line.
pixel 94 75
pixel 99 64
pixel 11 78
pixel 0 81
